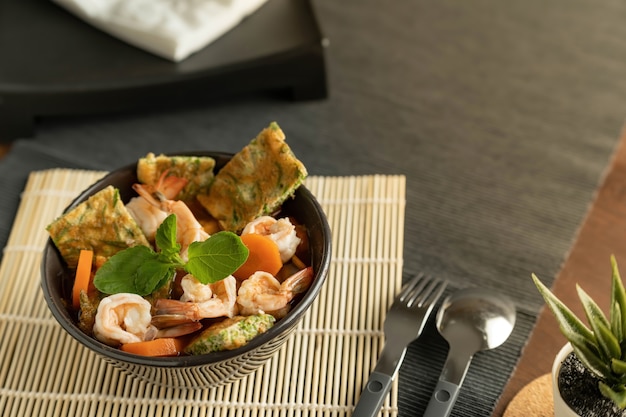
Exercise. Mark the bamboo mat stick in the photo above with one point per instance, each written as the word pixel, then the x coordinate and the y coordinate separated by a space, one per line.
pixel 320 371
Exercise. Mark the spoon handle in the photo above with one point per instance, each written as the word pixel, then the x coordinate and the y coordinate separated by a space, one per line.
pixel 442 400
pixel 449 383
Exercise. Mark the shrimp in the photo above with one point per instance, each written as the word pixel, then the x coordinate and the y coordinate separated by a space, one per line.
pixel 178 330
pixel 280 231
pixel 195 291
pixel 188 229
pixel 214 300
pixel 123 318
pixel 148 216
pixel 262 293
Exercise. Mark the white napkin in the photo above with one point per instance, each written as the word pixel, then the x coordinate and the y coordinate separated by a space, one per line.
pixel 172 29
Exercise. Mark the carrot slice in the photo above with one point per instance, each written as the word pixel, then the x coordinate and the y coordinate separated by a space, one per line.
pixel 263 256
pixel 166 346
pixel 83 276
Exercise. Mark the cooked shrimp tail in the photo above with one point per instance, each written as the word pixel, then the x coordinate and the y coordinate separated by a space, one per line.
pixel 217 300
pixel 172 310
pixel 148 215
pixel 179 330
pixel 298 282
pixel 188 229
pixel 174 325
pixel 170 185
pixel 262 293
pixel 163 321
pixel 281 231
pixel 148 193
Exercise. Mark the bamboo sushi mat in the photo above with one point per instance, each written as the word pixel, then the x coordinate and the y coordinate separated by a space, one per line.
pixel 320 370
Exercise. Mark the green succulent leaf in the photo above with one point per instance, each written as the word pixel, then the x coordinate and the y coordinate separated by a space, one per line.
pixel 618 366
pixel 590 356
pixel 608 342
pixel 615 394
pixel 590 347
pixel 571 326
pixel 618 296
pixel 601 327
pixel 616 322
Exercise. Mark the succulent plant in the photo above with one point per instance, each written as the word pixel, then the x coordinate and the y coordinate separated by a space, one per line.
pixel 601 346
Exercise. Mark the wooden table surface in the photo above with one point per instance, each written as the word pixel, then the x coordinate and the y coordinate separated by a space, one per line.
pixel 602 233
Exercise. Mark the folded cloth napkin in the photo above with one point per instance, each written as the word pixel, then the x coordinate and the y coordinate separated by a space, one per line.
pixel 172 29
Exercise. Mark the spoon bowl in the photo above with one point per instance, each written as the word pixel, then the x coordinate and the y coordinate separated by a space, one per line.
pixel 471 320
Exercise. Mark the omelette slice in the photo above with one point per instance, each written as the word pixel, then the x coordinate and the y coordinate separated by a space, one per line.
pixel 101 223
pixel 198 170
pixel 255 182
pixel 230 333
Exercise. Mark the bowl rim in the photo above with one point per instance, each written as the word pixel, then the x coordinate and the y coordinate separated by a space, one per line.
pixel 62 315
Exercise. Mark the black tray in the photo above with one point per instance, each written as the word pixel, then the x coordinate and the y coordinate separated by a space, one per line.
pixel 53 63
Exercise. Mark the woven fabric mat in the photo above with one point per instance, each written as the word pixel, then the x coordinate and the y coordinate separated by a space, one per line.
pixel 321 369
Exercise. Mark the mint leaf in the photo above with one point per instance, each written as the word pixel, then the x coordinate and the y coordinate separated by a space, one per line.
pixel 119 273
pixel 216 258
pixel 152 275
pixel 140 270
pixel 166 236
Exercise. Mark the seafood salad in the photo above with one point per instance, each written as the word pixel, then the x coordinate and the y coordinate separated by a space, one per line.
pixel 197 261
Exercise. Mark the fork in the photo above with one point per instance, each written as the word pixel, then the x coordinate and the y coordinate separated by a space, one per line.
pixel 404 323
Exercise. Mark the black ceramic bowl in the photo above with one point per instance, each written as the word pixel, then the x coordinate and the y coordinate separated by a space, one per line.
pixel 212 369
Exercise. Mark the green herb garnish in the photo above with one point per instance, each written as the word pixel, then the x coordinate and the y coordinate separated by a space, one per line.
pixel 141 270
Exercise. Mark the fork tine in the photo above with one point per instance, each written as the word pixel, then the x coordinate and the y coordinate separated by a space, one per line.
pixel 422 290
pixel 415 286
pixel 436 290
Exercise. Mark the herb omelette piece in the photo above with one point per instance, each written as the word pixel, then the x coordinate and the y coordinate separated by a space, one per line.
pixel 198 170
pixel 256 181
pixel 229 334
pixel 101 223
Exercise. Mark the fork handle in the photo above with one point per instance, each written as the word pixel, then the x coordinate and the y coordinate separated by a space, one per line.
pixel 373 395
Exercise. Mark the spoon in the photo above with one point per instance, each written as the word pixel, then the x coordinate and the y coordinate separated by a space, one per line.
pixel 471 320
